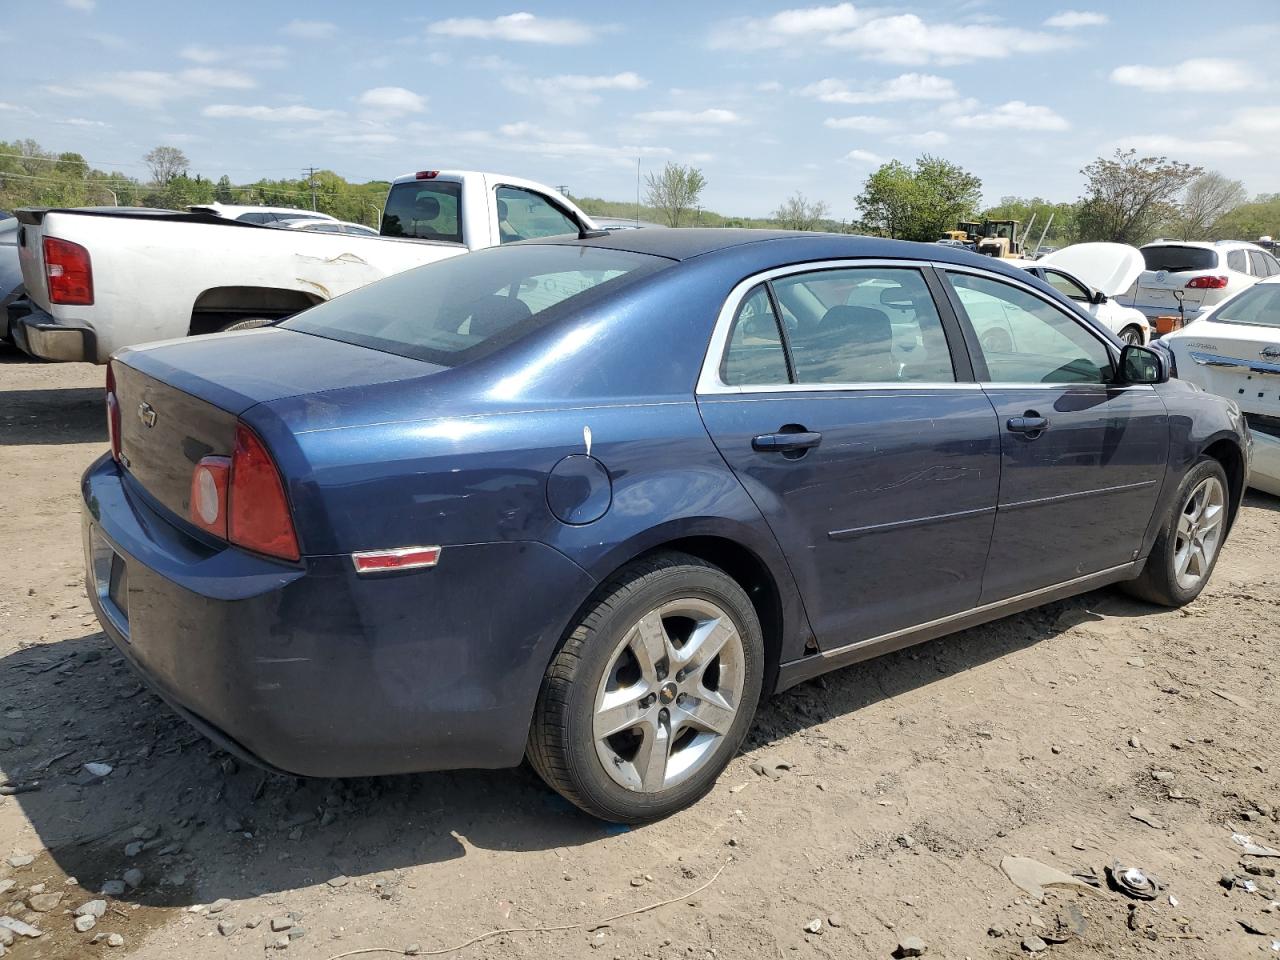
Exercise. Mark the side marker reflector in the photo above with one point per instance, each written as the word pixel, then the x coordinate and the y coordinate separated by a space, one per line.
pixel 402 558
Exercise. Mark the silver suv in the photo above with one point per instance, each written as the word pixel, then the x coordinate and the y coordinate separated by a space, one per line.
pixel 1198 273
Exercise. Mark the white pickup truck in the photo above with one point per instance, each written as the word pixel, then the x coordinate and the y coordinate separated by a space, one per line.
pixel 99 280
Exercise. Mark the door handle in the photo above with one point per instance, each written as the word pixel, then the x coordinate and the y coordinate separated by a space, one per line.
pixel 785 442
pixel 1029 423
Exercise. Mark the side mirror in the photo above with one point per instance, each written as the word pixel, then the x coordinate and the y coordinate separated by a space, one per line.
pixel 1142 365
pixel 1099 297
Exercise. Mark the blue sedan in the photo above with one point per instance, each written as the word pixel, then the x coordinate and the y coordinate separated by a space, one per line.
pixel 588 499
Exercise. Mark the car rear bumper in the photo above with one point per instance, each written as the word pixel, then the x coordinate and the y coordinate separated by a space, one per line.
pixel 311 670
pixel 40 335
pixel 1264 472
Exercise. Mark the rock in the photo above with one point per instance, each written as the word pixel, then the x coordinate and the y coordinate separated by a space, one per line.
pixel 6 937
pixel 906 841
pixel 835 920
pixel 21 860
pixel 412 950
pixel 94 908
pixel 281 924
pixel 1163 776
pixel 6 886
pixel 295 834
pixel 133 848
pixel 112 888
pixel 20 928
pixel 280 943
pixel 637 881
pixel 1136 662
pixel 98 769
pixel 145 831
pixel 219 905
pixel 1135 743
pixel 227 927
pixel 132 878
pixel 1143 815
pixel 1034 945
pixel 813 926
pixel 35 888
pixel 115 940
pixel 338 881
pixel 44 902
pixel 1251 815
pixel 910 947
pixel 1033 876
pixel 85 923
pixel 232 824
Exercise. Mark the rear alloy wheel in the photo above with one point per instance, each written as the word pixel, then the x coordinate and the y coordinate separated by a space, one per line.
pixel 248 323
pixel 652 693
pixel 1187 547
pixel 1132 334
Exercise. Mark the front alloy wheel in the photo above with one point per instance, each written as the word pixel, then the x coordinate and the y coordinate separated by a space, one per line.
pixel 1199 532
pixel 652 692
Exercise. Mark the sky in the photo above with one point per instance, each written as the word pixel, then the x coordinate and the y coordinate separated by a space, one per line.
pixel 765 98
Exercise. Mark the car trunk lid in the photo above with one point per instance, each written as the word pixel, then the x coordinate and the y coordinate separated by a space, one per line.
pixel 1238 361
pixel 180 401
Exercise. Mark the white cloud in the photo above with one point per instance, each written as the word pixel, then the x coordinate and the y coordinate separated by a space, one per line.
pixel 1198 75
pixel 259 55
pixel 863 156
pixel 929 138
pixel 1071 19
pixel 711 117
pixel 1014 115
pixel 908 86
pixel 199 54
pixel 492 62
pixel 901 38
pixel 1185 146
pixel 370 139
pixel 1259 120
pixel 309 29
pixel 392 101
pixel 768 86
pixel 16 108
pixel 82 122
pixel 578 83
pixel 518 28
pixel 863 123
pixel 288 114
pixel 85 5
pixel 221 79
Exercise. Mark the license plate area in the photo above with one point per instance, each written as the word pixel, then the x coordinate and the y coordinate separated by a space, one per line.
pixel 110 581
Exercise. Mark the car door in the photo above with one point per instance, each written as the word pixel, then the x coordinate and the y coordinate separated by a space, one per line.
pixel 842 398
pixel 1083 458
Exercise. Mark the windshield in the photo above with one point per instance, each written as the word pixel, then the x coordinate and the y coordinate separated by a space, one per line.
pixel 1259 305
pixel 462 308
pixel 1180 259
pixel 424 210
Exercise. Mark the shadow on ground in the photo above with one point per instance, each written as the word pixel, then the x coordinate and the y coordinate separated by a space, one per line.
pixel 53 416
pixel 204 826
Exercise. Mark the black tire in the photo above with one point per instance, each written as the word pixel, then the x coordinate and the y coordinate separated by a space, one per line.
pixel 1158 582
pixel 1132 334
pixel 248 323
pixel 561 746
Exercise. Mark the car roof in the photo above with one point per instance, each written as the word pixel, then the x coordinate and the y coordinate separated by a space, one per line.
pixel 783 245
pixel 1204 244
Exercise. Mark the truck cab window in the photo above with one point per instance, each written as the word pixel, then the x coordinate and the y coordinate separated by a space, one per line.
pixel 424 210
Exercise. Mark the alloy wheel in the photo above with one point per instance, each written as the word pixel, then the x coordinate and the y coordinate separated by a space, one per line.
pixel 669 696
pixel 1199 533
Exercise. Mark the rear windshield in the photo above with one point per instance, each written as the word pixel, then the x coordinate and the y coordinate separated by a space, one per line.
pixel 462 308
pixel 424 210
pixel 1180 259
pixel 1259 305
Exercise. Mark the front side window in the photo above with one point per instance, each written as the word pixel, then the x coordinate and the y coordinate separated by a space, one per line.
pixel 1027 340
pixel 525 215
pixel 424 210
pixel 1066 286
pixel 462 308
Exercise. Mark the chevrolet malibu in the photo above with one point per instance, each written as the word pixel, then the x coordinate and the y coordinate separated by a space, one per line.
pixel 588 499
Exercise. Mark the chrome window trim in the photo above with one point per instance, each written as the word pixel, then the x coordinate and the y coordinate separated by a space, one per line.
pixel 710 383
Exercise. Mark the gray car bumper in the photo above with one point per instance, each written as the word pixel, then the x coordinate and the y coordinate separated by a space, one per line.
pixel 39 335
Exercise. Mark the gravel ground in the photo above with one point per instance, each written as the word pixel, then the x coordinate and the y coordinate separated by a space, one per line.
pixel 1087 732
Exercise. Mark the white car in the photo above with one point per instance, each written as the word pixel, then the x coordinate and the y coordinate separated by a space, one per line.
pixel 263 215
pixel 1092 274
pixel 326 226
pixel 1233 350
pixel 1190 276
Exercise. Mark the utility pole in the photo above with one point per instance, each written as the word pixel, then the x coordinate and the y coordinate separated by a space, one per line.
pixel 637 191
pixel 563 190
pixel 311 180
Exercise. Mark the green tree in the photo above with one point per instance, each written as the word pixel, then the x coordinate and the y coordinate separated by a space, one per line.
pixel 1259 217
pixel 166 163
pixel 674 191
pixel 1128 198
pixel 920 202
pixel 797 212
pixel 1061 230
pixel 222 192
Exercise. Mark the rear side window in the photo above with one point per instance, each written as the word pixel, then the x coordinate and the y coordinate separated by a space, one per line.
pixel 424 210
pixel 1236 262
pixel 1175 259
pixel 755 354
pixel 465 307
pixel 1257 259
pixel 525 215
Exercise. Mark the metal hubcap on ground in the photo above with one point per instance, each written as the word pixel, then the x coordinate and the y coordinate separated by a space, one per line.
pixel 670 694
pixel 1199 532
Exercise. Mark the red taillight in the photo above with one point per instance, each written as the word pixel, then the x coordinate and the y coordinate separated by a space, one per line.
pixel 426 174
pixel 209 485
pixel 258 515
pixel 1206 283
pixel 69 272
pixel 113 414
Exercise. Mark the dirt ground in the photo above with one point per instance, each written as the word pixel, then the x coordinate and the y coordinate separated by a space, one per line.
pixel 891 791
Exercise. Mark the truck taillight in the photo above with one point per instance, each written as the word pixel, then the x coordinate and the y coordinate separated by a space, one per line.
pixel 1206 283
pixel 113 414
pixel 426 174
pixel 69 272
pixel 241 499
